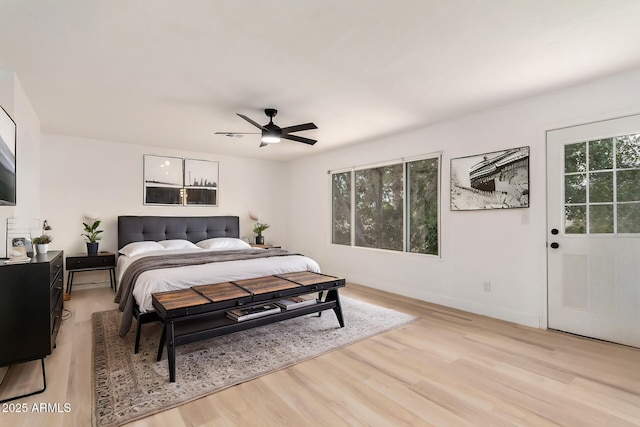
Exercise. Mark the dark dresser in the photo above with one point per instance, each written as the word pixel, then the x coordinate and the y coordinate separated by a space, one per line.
pixel 31 302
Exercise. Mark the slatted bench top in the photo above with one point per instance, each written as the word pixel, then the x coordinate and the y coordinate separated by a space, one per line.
pixel 220 296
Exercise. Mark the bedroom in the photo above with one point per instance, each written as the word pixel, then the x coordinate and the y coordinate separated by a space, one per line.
pixel 83 174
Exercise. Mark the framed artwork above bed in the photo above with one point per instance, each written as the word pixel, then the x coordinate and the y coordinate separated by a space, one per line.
pixel 177 181
pixel 200 182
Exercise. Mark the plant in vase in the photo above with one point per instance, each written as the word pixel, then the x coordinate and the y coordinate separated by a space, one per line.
pixel 258 229
pixel 42 243
pixel 92 234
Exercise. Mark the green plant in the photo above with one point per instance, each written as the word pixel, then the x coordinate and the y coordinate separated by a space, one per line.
pixel 259 228
pixel 91 232
pixel 42 240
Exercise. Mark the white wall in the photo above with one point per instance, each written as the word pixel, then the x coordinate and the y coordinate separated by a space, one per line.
pixel 15 101
pixel 505 247
pixel 82 176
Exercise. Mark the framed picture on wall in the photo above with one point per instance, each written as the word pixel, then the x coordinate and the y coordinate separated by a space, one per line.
pixel 200 182
pixel 163 180
pixel 496 180
pixel 8 135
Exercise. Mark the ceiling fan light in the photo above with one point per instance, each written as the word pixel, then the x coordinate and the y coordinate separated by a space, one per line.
pixel 270 138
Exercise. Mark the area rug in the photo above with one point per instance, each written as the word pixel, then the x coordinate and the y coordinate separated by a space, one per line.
pixel 130 386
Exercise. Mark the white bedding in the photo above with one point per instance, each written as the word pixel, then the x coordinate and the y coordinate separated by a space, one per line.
pixel 169 279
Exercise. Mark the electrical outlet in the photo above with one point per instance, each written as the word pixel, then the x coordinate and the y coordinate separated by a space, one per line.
pixel 487 286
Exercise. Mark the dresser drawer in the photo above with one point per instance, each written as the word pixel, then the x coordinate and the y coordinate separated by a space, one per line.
pixel 55 290
pixel 55 267
pixel 56 319
pixel 98 261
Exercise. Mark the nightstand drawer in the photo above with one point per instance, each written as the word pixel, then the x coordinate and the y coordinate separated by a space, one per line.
pixel 104 260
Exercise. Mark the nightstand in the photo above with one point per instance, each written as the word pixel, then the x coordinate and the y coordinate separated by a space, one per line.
pixel 79 263
pixel 266 246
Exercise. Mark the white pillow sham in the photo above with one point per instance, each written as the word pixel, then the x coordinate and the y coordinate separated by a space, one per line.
pixel 137 248
pixel 223 244
pixel 177 244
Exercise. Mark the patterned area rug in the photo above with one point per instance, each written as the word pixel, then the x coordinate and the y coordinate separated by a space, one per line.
pixel 130 386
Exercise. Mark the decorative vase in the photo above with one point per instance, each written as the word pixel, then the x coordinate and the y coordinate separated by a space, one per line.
pixel 92 248
pixel 260 239
pixel 42 248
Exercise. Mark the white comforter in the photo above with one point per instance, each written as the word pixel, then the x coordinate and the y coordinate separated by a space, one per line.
pixel 169 279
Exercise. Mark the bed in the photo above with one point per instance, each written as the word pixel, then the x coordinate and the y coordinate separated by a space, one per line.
pixel 159 253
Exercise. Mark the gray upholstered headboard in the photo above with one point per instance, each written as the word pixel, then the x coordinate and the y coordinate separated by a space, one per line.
pixel 192 228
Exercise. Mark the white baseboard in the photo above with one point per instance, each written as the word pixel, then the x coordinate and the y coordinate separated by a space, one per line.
pixel 525 319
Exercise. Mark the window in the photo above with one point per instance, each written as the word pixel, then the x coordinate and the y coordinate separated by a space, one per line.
pixel 393 207
pixel 341 193
pixel 379 207
pixel 422 206
pixel 601 191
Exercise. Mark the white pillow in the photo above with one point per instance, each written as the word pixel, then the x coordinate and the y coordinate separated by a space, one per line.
pixel 137 248
pixel 223 244
pixel 177 244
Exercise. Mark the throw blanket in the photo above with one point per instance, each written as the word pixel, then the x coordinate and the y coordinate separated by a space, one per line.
pixel 125 289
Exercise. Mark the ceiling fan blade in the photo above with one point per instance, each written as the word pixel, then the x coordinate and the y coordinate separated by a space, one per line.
pixel 299 139
pixel 237 133
pixel 256 124
pixel 298 128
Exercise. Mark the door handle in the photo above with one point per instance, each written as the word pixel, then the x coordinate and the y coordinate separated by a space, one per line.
pixel 554 231
pixel 555 245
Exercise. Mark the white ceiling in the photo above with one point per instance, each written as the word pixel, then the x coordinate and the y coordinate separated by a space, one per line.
pixel 171 73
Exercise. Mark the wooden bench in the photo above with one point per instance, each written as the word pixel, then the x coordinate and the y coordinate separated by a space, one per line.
pixel 200 312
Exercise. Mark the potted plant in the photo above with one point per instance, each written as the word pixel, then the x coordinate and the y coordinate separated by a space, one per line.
pixel 42 243
pixel 258 229
pixel 92 234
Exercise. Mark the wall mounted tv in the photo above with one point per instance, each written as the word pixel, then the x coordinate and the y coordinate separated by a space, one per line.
pixel 7 159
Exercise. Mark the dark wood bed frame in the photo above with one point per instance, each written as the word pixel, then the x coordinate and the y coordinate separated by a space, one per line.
pixel 155 228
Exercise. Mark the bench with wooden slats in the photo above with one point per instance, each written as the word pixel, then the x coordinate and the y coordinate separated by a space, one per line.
pixel 199 312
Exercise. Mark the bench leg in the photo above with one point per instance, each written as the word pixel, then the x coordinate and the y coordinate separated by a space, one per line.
pixel 320 294
pixel 333 295
pixel 171 350
pixel 163 336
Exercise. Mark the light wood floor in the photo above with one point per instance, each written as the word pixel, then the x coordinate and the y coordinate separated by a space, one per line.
pixel 449 368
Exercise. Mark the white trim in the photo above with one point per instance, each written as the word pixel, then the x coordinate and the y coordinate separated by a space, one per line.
pixel 431 155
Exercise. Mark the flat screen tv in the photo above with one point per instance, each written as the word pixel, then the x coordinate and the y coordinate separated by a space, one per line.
pixel 7 159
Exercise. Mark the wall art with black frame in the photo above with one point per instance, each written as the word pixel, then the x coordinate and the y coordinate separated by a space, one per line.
pixel 178 181
pixel 496 180
pixel 8 136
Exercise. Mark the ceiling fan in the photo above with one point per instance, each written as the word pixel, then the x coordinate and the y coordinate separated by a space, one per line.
pixel 272 133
